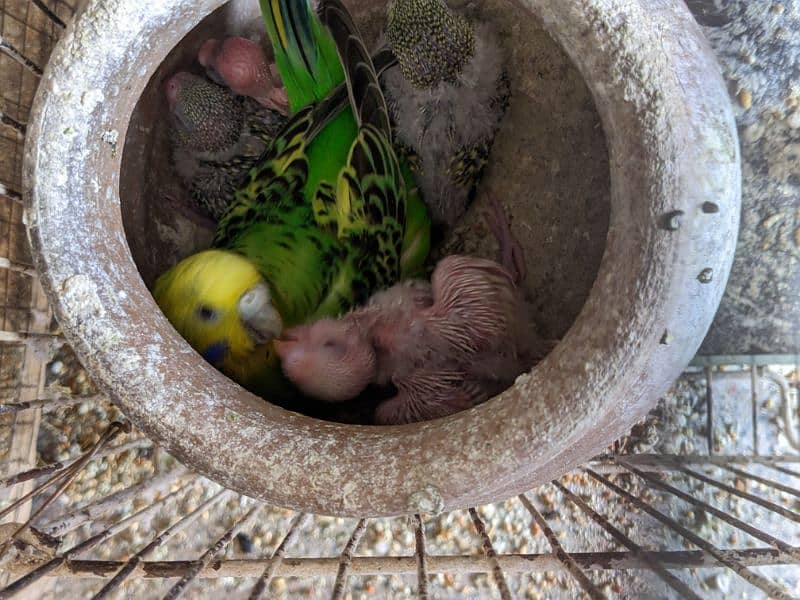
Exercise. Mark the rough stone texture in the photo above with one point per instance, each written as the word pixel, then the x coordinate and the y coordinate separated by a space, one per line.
pixel 672 146
pixel 758 47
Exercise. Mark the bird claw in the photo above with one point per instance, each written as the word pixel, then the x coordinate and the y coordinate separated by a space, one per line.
pixel 511 255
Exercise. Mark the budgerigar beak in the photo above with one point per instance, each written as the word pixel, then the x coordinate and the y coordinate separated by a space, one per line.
pixel 259 317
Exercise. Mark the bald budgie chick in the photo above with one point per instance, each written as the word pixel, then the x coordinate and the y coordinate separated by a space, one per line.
pixel 216 138
pixel 240 64
pixel 447 99
pixel 319 223
pixel 446 345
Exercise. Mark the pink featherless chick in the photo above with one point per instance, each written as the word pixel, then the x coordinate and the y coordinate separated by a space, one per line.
pixel 241 65
pixel 446 345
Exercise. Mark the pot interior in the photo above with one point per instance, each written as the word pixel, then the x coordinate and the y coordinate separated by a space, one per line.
pixel 549 165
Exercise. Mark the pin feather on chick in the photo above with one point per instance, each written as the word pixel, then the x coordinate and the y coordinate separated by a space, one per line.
pixel 447 99
pixel 216 137
pixel 445 346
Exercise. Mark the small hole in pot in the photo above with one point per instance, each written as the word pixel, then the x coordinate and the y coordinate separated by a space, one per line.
pixel 548 168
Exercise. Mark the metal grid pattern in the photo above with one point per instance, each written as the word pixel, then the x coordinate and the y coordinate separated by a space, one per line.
pixel 50 533
pixel 644 487
pixel 27 34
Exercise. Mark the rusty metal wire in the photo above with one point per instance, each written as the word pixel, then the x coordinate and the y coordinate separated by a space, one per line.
pixel 69 555
pixel 61 466
pixel 709 411
pixel 346 559
pixel 488 549
pixel 791 551
pixel 12 51
pixel 407 565
pixel 180 588
pixel 422 558
pixel 637 550
pixel 8 121
pixel 739 568
pixel 260 589
pixel 49 13
pixel 159 540
pixel 87 513
pixel 559 552
pixel 63 475
pixel 46 404
pixel 784 512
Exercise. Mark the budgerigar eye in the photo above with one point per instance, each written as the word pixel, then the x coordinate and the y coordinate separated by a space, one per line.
pixel 206 313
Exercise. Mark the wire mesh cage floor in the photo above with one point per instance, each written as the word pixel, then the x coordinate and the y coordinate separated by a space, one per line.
pixel 700 500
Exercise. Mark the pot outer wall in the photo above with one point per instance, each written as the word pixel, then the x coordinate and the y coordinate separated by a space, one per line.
pixel 760 311
pixel 672 147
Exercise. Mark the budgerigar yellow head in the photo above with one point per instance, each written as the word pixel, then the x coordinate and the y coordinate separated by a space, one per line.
pixel 221 305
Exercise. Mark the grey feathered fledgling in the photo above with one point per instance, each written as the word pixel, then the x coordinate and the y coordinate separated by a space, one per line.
pixel 216 138
pixel 447 99
pixel 446 345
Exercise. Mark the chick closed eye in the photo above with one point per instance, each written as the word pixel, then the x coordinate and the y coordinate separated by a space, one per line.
pixel 334 351
pixel 333 345
pixel 214 76
pixel 327 360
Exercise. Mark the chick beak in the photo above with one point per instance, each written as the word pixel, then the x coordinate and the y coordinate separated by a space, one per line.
pixel 258 316
pixel 207 51
pixel 283 345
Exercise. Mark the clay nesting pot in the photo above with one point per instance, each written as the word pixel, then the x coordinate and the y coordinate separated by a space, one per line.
pixel 672 149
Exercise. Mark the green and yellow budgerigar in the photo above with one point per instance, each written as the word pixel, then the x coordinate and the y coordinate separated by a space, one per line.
pixel 310 69
pixel 319 224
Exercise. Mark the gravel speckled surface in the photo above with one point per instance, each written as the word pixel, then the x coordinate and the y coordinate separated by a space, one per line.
pixel 676 426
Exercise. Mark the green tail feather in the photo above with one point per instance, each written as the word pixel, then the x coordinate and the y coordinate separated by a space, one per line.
pixel 309 66
pixel 371 187
pixel 304 52
pixel 417 239
pixel 363 87
pixel 369 104
pixel 367 205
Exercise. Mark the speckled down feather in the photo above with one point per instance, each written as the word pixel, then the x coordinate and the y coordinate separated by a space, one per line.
pixel 432 43
pixel 216 139
pixel 447 98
